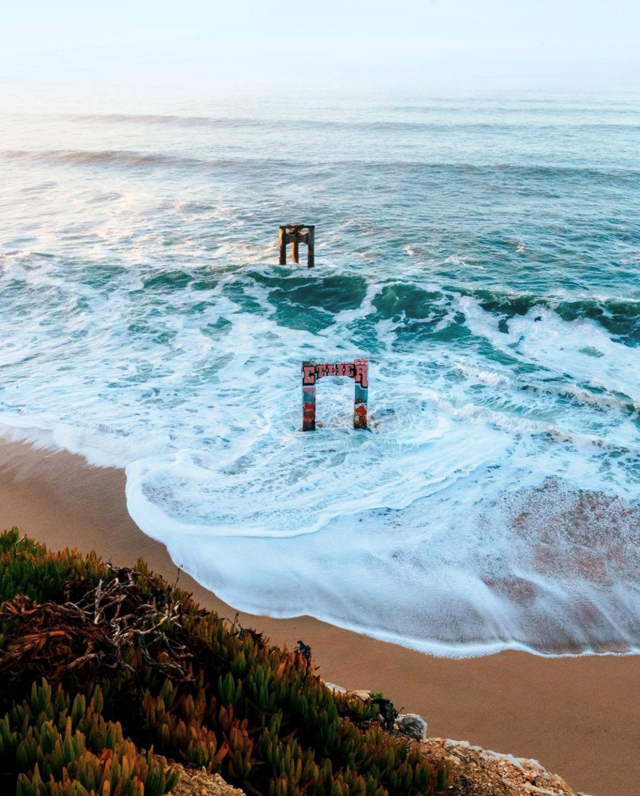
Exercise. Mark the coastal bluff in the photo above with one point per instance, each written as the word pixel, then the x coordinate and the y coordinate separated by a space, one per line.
pixel 113 681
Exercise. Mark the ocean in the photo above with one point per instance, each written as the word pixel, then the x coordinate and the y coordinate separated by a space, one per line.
pixel 483 252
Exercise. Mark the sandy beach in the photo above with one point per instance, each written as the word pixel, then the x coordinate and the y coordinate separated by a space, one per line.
pixel 578 716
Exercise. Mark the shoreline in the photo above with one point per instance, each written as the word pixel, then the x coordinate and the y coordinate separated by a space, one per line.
pixel 576 714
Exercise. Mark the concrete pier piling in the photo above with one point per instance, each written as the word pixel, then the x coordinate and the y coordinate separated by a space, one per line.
pixel 295 234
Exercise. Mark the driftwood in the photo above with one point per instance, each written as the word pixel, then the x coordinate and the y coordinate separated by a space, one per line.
pixel 72 641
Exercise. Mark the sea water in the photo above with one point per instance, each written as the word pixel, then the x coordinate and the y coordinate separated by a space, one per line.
pixel 483 252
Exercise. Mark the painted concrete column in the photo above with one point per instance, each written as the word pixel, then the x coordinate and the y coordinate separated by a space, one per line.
pixel 361 396
pixel 308 396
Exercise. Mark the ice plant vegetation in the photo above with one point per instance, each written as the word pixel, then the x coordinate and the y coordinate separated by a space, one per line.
pixel 108 676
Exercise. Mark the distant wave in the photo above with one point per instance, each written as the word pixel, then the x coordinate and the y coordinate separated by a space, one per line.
pixel 341 124
pixel 534 107
pixel 88 157
pixel 170 119
pixel 374 126
pixel 116 157
pixel 132 158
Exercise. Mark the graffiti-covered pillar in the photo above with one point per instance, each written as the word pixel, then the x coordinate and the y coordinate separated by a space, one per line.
pixel 308 396
pixel 312 371
pixel 361 379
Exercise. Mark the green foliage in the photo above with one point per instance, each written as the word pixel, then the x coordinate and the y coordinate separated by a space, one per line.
pixel 62 747
pixel 26 567
pixel 167 676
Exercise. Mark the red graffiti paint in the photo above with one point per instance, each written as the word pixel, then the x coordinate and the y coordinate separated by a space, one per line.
pixel 308 374
pixel 357 370
pixel 361 376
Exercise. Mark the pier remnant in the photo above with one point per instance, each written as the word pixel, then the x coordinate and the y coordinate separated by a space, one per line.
pixel 295 234
pixel 358 370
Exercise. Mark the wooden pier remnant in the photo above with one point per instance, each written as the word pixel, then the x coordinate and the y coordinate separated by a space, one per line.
pixel 358 370
pixel 295 234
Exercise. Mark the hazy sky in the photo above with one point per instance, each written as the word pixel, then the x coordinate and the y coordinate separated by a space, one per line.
pixel 464 43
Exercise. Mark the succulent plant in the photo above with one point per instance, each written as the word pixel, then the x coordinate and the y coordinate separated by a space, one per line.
pixel 58 746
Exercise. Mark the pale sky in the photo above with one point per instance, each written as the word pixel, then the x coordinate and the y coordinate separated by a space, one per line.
pixel 450 43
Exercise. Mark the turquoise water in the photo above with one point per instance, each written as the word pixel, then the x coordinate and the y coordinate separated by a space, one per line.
pixel 483 252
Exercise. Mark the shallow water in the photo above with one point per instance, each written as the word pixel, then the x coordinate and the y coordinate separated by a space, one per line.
pixel 482 252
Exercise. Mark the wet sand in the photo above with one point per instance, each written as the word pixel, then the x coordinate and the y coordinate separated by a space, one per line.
pixel 580 717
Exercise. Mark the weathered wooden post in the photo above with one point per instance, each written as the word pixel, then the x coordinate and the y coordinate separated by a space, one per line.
pixel 295 234
pixel 312 371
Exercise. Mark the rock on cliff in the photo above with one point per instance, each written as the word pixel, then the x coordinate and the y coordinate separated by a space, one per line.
pixel 479 772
